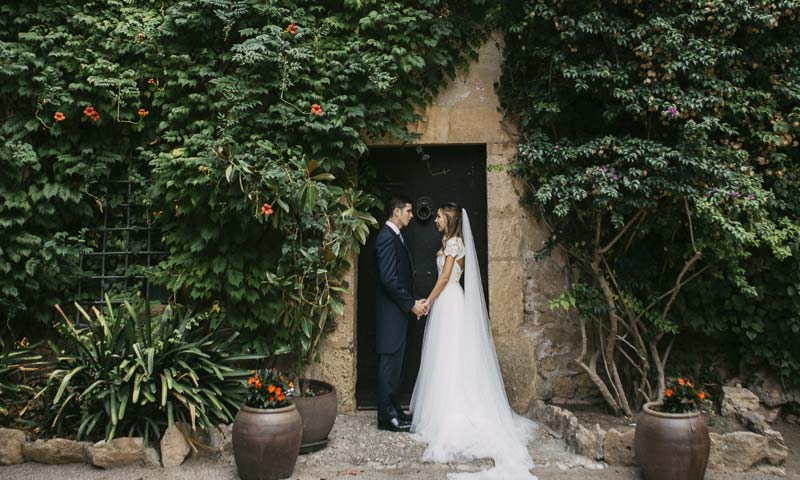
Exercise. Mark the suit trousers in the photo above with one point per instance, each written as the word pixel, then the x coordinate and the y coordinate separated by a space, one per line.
pixel 390 367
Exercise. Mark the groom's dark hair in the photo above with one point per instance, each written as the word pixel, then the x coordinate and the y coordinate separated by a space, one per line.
pixel 396 201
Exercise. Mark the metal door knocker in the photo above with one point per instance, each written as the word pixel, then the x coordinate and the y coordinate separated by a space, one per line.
pixel 424 208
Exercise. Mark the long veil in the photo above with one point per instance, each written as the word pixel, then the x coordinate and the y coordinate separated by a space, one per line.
pixel 504 434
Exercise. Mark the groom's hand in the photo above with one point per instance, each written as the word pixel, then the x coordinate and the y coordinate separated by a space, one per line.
pixel 420 308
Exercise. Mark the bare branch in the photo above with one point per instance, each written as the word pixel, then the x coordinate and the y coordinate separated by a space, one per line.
pixel 691 227
pixel 671 290
pixel 669 349
pixel 598 215
pixel 625 228
pixel 679 284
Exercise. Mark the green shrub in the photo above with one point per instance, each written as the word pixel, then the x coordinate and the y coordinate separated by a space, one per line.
pixel 18 362
pixel 213 102
pixel 126 373
pixel 656 138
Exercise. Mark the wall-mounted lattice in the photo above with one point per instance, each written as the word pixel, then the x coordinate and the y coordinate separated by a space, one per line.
pixel 121 249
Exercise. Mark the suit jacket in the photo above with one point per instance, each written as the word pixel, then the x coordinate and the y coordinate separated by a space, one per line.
pixel 395 292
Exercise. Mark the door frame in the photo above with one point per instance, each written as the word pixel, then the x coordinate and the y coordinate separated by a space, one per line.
pixel 474 174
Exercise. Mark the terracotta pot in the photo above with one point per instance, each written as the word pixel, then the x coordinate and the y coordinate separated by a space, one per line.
pixel 671 446
pixel 319 415
pixel 266 442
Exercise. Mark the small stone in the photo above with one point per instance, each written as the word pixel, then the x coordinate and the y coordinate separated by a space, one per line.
pixel 225 444
pixel 753 421
pixel 618 448
pixel 792 419
pixel 747 451
pixel 116 453
pixel 734 399
pixel 151 457
pixel 588 443
pixel 11 442
pixel 771 390
pixel 770 414
pixel 55 451
pixel 174 447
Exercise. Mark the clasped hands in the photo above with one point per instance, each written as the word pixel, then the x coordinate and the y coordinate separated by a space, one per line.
pixel 421 308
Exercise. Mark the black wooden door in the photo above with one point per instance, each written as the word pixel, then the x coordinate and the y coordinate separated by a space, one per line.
pixel 429 176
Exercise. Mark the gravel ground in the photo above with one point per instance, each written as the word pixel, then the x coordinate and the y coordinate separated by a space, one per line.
pixel 359 451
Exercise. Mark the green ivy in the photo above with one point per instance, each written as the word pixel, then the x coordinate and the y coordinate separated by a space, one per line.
pixel 225 106
pixel 672 128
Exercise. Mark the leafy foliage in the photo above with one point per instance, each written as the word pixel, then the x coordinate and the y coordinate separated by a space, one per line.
pixel 128 374
pixel 226 106
pixel 17 360
pixel 268 389
pixel 657 141
pixel 681 396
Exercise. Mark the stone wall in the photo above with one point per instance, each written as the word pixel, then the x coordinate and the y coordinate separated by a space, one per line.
pixel 338 351
pixel 534 345
pixel 556 333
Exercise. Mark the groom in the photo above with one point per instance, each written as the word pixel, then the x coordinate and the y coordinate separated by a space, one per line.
pixel 395 306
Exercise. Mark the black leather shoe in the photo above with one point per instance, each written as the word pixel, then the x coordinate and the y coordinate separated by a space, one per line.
pixel 394 425
pixel 404 417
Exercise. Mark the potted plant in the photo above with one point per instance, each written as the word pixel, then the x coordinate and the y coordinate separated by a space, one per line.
pixel 671 440
pixel 316 400
pixel 268 428
pixel 307 287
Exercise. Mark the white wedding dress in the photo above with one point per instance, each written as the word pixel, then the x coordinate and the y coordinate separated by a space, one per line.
pixel 459 403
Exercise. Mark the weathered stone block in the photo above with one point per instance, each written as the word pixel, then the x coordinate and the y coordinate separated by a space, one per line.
pixel 504 150
pixel 618 448
pixel 116 453
pixel 747 451
pixel 502 192
pixel 517 358
pixel 11 442
pixel 338 367
pixel 151 458
pixel 476 123
pixel 736 398
pixel 579 439
pixel 754 421
pixel 505 238
pixel 770 390
pixel 224 439
pixel 505 297
pixel 55 451
pixel 587 442
pixel 547 277
pixel 174 447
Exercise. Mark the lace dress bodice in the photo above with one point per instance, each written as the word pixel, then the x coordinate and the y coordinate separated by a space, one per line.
pixel 453 248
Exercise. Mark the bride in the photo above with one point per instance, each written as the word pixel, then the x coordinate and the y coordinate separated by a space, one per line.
pixel 459 404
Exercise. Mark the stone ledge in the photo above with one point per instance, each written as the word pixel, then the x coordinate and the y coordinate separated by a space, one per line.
pixel 55 451
pixel 11 443
pixel 730 452
pixel 579 439
pixel 177 444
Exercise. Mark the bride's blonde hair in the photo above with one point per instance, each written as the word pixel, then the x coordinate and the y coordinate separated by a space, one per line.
pixel 452 225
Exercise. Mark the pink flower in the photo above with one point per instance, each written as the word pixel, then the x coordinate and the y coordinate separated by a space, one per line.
pixel 672 111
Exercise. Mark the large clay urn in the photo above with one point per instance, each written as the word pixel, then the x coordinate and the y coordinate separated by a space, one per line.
pixel 266 442
pixel 319 415
pixel 671 446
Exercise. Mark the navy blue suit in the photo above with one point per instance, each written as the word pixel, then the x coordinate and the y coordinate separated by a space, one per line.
pixel 394 301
